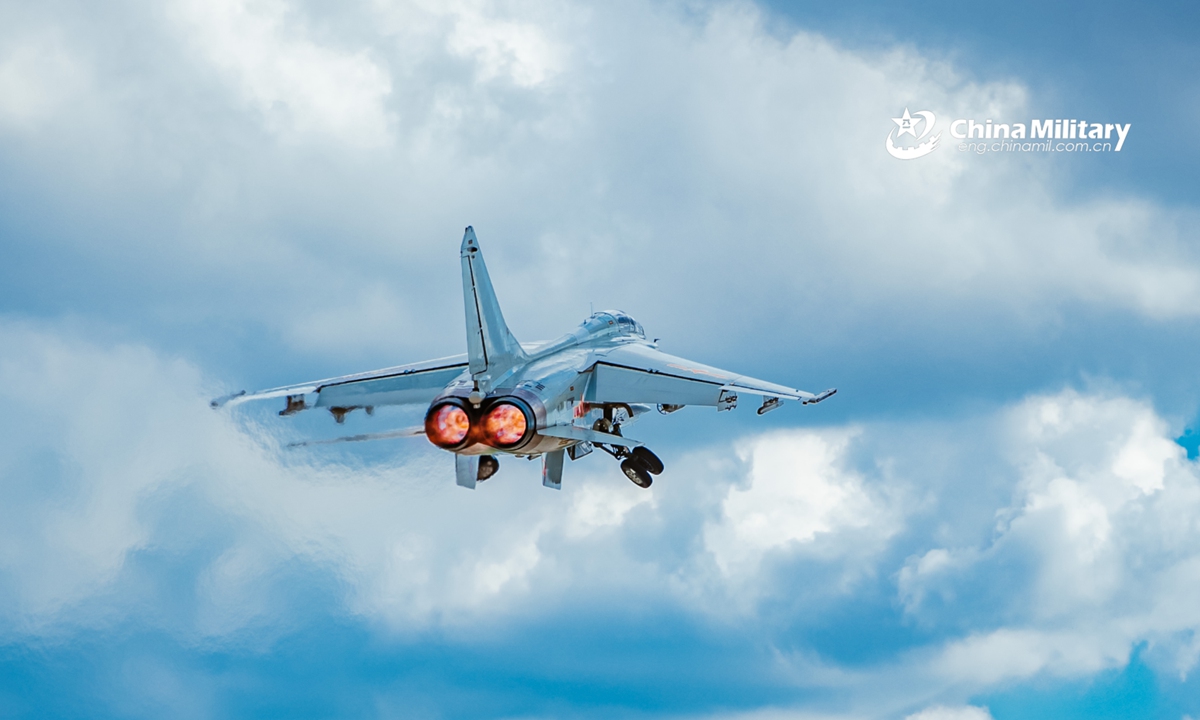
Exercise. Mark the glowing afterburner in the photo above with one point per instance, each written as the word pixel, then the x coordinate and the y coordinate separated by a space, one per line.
pixel 447 425
pixel 505 425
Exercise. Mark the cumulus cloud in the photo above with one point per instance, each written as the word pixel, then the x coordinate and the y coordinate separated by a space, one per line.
pixel 38 78
pixel 942 712
pixel 113 462
pixel 585 142
pixel 1102 524
pixel 110 455
pixel 297 86
pixel 798 498
pixel 105 446
pixel 512 47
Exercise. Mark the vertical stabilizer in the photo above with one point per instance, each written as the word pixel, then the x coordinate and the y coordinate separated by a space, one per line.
pixel 491 348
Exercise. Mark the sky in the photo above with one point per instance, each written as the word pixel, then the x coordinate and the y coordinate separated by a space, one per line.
pixel 994 518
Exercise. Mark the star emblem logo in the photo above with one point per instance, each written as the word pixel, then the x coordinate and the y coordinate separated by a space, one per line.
pixel 906 123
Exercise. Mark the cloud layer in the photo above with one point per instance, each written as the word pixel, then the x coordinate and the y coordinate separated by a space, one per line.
pixel 292 165
pixel 201 195
pixel 114 462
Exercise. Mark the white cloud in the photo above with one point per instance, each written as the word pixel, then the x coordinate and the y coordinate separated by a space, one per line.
pixel 39 78
pixel 109 455
pixel 102 446
pixel 299 86
pixel 942 712
pixel 595 507
pixel 105 447
pixel 519 50
pixel 799 497
pixel 619 133
pixel 80 456
pixel 928 573
pixel 1097 522
pixel 106 453
pixel 989 659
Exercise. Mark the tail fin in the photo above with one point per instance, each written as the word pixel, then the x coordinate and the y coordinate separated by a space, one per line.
pixel 491 348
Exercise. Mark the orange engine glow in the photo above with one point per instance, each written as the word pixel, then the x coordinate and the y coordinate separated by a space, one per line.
pixel 447 426
pixel 504 425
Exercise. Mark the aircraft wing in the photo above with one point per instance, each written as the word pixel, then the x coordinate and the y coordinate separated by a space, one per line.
pixel 403 384
pixel 639 374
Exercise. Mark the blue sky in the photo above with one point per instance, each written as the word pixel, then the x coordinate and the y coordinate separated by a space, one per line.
pixel 995 517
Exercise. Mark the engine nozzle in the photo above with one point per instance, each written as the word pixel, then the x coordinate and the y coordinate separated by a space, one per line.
pixel 507 424
pixel 448 424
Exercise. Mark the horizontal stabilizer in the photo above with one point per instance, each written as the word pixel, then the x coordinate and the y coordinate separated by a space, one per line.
pixel 414 383
pixel 574 432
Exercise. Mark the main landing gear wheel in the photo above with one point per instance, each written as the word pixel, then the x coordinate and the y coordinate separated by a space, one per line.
pixel 648 459
pixel 636 472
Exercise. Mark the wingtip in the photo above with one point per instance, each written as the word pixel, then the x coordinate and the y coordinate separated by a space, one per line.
pixel 823 395
pixel 216 403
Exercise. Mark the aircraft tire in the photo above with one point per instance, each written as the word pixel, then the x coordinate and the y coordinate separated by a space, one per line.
pixel 648 459
pixel 636 472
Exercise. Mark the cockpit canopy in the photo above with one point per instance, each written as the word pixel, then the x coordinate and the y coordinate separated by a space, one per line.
pixel 613 322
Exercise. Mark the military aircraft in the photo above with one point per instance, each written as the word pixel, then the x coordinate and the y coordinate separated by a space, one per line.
pixel 550 399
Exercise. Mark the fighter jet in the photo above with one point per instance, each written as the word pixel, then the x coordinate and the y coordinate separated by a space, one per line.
pixel 556 399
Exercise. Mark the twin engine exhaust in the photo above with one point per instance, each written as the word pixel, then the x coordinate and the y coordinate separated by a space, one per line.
pixel 504 423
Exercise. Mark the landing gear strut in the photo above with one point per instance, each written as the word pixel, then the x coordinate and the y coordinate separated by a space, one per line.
pixel 638 463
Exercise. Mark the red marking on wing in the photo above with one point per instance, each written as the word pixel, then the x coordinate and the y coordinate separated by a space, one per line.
pixel 698 371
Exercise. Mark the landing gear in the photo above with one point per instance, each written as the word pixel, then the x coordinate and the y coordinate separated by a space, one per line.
pixel 648 459
pixel 637 463
pixel 488 465
pixel 637 472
